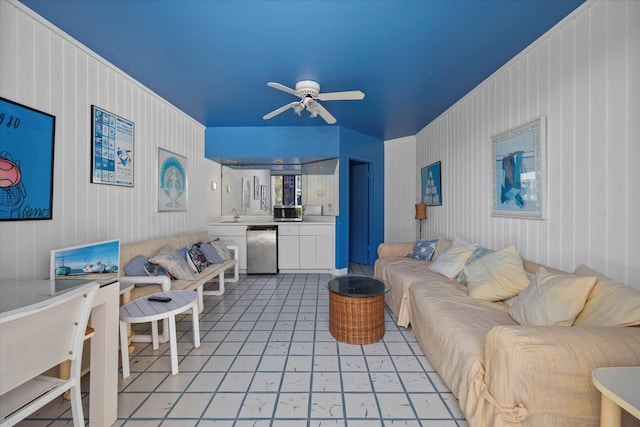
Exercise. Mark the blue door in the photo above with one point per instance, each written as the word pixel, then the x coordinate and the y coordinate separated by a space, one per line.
pixel 359 212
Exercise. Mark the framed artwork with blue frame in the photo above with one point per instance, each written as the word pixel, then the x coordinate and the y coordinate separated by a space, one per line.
pixel 431 179
pixel 519 172
pixel 27 138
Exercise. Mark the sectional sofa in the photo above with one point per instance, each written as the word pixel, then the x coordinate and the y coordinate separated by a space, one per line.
pixel 505 373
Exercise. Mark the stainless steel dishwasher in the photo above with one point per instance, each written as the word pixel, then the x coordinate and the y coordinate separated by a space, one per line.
pixel 262 249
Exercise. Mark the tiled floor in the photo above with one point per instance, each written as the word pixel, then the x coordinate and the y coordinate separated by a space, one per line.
pixel 267 359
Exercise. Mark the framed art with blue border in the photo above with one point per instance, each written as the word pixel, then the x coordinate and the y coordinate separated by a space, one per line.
pixel 519 172
pixel 27 139
pixel 172 181
pixel 431 180
pixel 112 158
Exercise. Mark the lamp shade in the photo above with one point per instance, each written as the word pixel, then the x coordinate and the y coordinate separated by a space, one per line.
pixel 421 211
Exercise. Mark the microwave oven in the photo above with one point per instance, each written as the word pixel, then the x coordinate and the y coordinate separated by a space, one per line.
pixel 287 213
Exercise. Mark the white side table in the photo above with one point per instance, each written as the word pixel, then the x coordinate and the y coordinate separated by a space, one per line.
pixel 142 310
pixel 620 388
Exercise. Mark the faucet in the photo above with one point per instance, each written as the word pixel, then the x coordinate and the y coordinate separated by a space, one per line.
pixel 236 216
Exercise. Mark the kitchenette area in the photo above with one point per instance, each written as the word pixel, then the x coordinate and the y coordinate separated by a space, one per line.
pixel 282 221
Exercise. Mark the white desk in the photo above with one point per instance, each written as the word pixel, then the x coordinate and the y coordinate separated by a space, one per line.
pixel 103 393
pixel 620 388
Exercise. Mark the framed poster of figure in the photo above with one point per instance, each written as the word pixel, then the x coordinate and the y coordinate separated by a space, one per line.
pixel 431 179
pixel 112 158
pixel 519 172
pixel 26 162
pixel 172 181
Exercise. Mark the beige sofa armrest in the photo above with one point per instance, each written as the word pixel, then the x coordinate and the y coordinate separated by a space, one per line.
pixel 388 250
pixel 546 370
pixel 163 281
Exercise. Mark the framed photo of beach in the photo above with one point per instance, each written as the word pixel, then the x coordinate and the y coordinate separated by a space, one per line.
pixel 518 159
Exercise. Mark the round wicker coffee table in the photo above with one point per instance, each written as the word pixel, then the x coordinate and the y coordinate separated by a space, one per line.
pixel 356 309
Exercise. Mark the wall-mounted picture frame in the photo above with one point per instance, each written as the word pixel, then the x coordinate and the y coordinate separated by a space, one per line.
pixel 256 188
pixel 112 157
pixel 246 193
pixel 27 139
pixel 263 197
pixel 519 172
pixel 94 261
pixel 431 184
pixel 172 181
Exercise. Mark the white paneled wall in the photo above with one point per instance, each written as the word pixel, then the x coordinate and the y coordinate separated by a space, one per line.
pixel 400 191
pixel 583 76
pixel 44 68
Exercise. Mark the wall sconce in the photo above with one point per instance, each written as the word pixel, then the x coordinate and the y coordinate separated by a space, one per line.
pixel 320 191
pixel 228 188
pixel 421 213
pixel 214 185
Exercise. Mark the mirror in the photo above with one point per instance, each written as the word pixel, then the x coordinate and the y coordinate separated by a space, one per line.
pixel 319 181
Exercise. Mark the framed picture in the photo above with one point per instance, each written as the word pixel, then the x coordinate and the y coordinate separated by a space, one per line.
pixel 94 261
pixel 26 162
pixel 172 181
pixel 112 148
pixel 431 179
pixel 246 193
pixel 519 172
pixel 263 197
pixel 256 188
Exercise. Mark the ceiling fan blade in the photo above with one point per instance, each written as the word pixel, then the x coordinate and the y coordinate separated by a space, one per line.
pixel 284 88
pixel 322 112
pixel 280 110
pixel 349 95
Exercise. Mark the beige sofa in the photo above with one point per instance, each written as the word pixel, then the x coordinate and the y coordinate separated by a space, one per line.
pixel 503 374
pixel 154 284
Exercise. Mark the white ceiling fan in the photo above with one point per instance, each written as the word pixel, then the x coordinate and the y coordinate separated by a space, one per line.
pixel 309 93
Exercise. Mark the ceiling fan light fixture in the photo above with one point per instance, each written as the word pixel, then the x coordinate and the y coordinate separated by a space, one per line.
pixel 298 108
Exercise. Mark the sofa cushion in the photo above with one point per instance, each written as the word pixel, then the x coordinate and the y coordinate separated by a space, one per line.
pixel 152 269
pixel 176 265
pixel 551 299
pixel 443 245
pixel 610 303
pixel 221 248
pixel 451 261
pixel 135 267
pixel 196 259
pixel 423 249
pixel 212 255
pixel 496 276
pixel 477 253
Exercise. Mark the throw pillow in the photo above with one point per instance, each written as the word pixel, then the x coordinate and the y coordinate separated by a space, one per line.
pixel 196 259
pixel 496 276
pixel 443 245
pixel 551 299
pixel 135 267
pixel 183 252
pixel 176 265
pixel 212 255
pixel 152 269
pixel 451 261
pixel 423 249
pixel 610 303
pixel 477 253
pixel 221 248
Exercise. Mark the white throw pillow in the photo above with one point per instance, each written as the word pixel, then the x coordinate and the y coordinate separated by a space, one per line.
pixel 451 261
pixel 496 276
pixel 551 299
pixel 610 303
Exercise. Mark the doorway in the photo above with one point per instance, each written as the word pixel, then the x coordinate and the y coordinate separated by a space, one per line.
pixel 359 211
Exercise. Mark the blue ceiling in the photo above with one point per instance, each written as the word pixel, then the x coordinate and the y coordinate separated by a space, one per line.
pixel 213 58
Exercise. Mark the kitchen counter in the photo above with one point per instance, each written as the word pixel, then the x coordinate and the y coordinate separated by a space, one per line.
pixel 268 220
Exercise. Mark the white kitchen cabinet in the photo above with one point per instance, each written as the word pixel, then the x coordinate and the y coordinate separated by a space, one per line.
pixel 307 247
pixel 232 234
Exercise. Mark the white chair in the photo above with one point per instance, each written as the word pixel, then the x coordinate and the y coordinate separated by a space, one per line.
pixel 35 339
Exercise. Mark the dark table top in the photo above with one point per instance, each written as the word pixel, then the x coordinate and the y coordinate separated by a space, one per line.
pixel 357 286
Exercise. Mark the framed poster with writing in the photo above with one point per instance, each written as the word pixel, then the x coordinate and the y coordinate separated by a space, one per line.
pixel 112 148
pixel 26 162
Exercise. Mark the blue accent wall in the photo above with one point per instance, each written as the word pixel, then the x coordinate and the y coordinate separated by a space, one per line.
pixel 307 142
